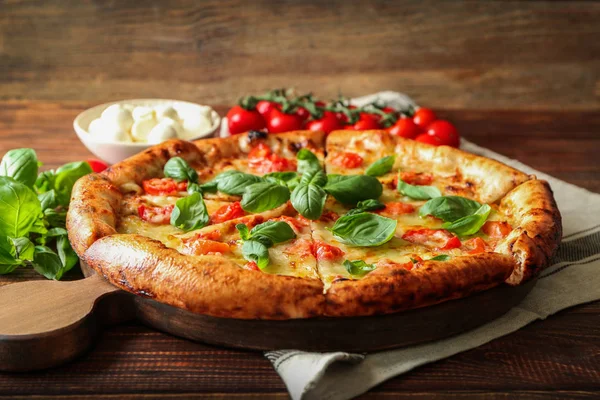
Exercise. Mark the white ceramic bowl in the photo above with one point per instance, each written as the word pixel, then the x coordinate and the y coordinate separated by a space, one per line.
pixel 114 152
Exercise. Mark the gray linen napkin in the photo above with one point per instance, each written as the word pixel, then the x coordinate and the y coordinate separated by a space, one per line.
pixel 572 279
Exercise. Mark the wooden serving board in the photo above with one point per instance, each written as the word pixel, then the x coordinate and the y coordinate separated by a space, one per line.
pixel 47 323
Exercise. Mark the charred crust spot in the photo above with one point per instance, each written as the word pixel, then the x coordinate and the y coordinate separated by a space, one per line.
pixel 340 279
pixel 469 184
pixel 256 135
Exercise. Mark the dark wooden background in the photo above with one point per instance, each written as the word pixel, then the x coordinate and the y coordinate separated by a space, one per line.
pixel 522 78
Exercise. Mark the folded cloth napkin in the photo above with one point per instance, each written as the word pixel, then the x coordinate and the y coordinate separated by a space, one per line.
pixel 572 279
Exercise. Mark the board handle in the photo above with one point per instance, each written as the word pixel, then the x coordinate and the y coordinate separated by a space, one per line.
pixel 46 323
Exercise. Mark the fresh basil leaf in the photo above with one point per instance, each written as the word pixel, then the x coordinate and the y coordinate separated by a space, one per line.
pixel 209 187
pixel 314 177
pixel 48 199
pixel 47 263
pixel 193 188
pixel 178 169
pixel 370 205
pixel 470 224
pixel 449 208
pixel 358 267
pixel 8 262
pixel 55 232
pixel 190 213
pixel 441 257
pixel 364 229
pixel 21 165
pixel 307 161
pixel 350 189
pixel 418 192
pixel 243 230
pixel 65 178
pixel 257 252
pixel 235 182
pixel 381 166
pixel 275 231
pixel 290 179
pixel 264 196
pixel 45 181
pixel 20 207
pixel 23 248
pixel 309 200
pixel 67 255
pixel 55 218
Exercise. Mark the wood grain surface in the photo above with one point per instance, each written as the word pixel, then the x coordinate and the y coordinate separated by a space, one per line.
pixel 553 359
pixel 447 54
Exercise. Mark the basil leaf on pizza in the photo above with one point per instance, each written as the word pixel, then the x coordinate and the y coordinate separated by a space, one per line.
pixel 381 166
pixel 307 161
pixel 470 224
pixel 178 169
pixel 190 213
pixel 367 205
pixel 350 189
pixel 314 177
pixel 449 208
pixel 264 196
pixel 364 229
pixel 441 257
pixel 309 200
pixel 418 192
pixel 358 267
pixel 257 252
pixel 235 182
pixel 268 233
pixel 193 188
pixel 290 179
pixel 209 187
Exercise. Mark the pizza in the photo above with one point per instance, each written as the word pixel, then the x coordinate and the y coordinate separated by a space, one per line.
pixel 303 224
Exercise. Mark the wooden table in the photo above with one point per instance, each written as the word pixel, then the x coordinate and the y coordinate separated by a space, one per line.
pixel 556 358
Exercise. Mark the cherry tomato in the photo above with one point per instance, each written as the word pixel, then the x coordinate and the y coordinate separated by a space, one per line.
pixel 259 152
pixel 295 223
pixel 163 186
pixel 425 138
pixel 302 113
pixel 155 215
pixel 475 245
pixel 240 120
pixel 342 117
pixel 327 123
pixel 397 208
pixel 264 107
pixel 324 251
pixel 416 178
pixel 279 122
pixel 387 263
pixel 252 266
pixel 440 239
pixel 204 246
pixel 347 160
pixel 97 165
pixel 227 213
pixel 445 132
pixel 366 122
pixel 301 247
pixel 423 117
pixel 329 216
pixel 388 110
pixel 404 127
pixel 496 229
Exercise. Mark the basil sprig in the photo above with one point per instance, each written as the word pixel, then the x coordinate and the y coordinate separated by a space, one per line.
pixel 367 205
pixel 263 196
pixel 441 257
pixel 190 213
pixel 381 166
pixel 258 240
pixel 307 161
pixel 178 169
pixel 358 267
pixel 308 198
pixel 364 229
pixel 350 189
pixel 418 192
pixel 234 182
pixel 462 216
pixel 21 165
pixel 290 179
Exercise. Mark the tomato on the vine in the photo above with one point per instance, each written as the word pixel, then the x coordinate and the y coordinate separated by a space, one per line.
pixel 327 123
pixel 423 117
pixel 97 165
pixel 366 122
pixel 302 113
pixel 264 107
pixel 425 138
pixel 444 132
pixel 279 121
pixel 404 127
pixel 240 120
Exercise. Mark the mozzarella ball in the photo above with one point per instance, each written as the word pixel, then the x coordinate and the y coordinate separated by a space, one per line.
pixel 119 116
pixel 141 128
pixel 142 112
pixel 164 130
pixel 96 127
pixel 166 112
pixel 112 133
pixel 196 124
